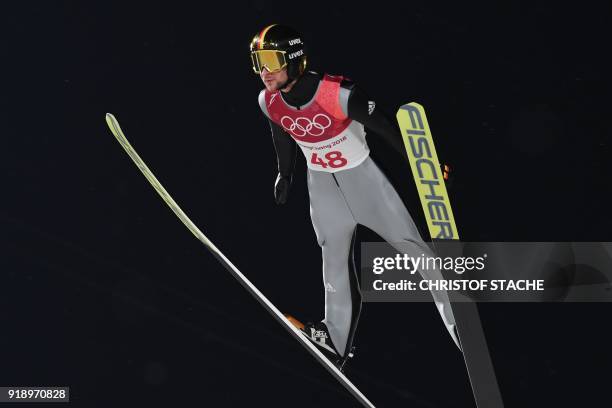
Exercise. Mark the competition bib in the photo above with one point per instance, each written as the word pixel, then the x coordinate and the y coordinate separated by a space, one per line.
pixel 329 139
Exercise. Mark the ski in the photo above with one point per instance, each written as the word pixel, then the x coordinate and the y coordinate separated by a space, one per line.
pixel 436 205
pixel 113 124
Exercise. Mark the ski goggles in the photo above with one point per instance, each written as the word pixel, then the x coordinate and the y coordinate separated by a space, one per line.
pixel 272 60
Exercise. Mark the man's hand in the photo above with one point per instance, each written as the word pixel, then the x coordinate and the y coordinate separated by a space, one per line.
pixel 447 174
pixel 281 188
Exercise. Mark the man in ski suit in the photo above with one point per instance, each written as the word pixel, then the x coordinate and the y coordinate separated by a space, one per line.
pixel 325 116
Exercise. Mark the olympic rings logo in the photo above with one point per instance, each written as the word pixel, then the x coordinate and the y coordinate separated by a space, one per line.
pixel 302 126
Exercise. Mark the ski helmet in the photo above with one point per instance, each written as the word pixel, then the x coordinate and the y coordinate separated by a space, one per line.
pixel 276 47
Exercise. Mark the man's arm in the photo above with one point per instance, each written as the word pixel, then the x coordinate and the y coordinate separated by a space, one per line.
pixel 358 106
pixel 285 149
pixel 285 156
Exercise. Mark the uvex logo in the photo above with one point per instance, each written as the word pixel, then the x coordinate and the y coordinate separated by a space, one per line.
pixel 296 54
pixel 295 41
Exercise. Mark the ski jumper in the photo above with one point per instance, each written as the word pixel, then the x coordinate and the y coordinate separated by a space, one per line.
pixel 346 188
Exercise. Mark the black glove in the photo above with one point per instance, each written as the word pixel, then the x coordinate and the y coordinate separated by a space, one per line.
pixel 281 188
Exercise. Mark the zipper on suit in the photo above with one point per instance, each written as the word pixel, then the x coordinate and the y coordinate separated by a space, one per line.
pixel 335 179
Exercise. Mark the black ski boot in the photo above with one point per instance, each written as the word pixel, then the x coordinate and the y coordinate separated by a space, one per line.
pixel 318 334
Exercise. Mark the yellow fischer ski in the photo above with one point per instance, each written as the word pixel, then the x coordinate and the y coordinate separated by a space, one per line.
pixel 426 171
pixel 441 224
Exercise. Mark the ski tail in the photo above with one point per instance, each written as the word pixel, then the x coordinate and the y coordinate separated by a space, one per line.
pixel 113 124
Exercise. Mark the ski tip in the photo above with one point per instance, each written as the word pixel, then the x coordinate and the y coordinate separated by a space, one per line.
pixel 111 121
pixel 413 104
pixel 112 124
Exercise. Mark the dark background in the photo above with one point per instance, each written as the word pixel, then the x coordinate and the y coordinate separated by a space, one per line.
pixel 103 289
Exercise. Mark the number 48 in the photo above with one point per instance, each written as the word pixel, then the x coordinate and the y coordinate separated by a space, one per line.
pixel 334 160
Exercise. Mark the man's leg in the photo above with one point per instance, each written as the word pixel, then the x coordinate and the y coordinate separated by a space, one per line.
pixel 376 205
pixel 335 226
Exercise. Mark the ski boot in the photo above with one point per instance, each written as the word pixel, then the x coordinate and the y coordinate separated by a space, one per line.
pixel 318 334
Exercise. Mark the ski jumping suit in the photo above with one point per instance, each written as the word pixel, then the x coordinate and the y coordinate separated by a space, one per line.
pixel 346 187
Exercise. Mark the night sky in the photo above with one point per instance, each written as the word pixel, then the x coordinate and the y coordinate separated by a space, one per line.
pixel 104 290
